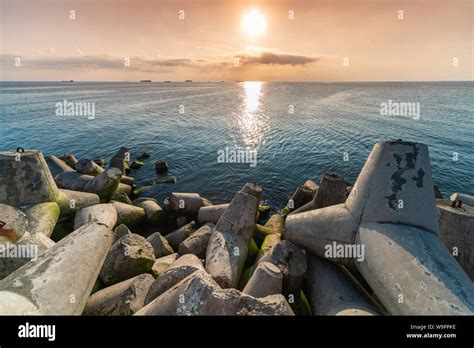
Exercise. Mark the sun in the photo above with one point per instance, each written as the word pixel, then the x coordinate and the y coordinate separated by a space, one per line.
pixel 254 24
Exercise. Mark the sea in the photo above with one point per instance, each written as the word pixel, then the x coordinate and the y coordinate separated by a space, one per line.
pixel 289 132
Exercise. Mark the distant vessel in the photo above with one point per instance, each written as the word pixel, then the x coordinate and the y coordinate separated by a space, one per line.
pixel 68 81
pixel 145 80
pixel 167 81
pixel 188 81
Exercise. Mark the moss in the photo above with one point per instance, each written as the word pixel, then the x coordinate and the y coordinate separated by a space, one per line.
pixel 285 211
pixel 136 164
pixel 252 253
pixel 261 232
pixel 306 308
pixel 168 180
pixel 245 277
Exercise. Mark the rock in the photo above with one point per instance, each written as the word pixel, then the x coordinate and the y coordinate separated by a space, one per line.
pixel 177 237
pixel 42 218
pixel 390 219
pixel 332 291
pixel 129 214
pixel 211 213
pixel 456 230
pixel 266 280
pixel 105 183
pixel 121 197
pixel 104 214
pixel 89 167
pixel 163 263
pixel 161 166
pixel 228 245
pixel 47 285
pixel 160 245
pixel 196 243
pixel 168 180
pixel 124 298
pixel 13 224
pixel 129 256
pixel 57 166
pixel 177 271
pixel 199 294
pixel 186 203
pixel 332 191
pixel 99 161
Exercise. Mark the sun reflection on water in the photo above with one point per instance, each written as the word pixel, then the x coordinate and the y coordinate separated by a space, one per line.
pixel 252 121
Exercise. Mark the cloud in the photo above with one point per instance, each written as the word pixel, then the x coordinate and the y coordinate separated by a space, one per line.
pixel 266 58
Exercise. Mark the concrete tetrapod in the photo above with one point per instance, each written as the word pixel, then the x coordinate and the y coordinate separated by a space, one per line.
pixel 197 242
pixel 464 198
pixel 199 294
pixel 13 224
pixel 57 166
pixel 332 191
pixel 124 298
pixel 228 245
pixel 211 213
pixel 47 286
pixel 266 280
pixel 26 180
pixel 332 292
pixel 186 203
pixel 104 214
pixel 456 230
pixel 42 218
pixel 389 224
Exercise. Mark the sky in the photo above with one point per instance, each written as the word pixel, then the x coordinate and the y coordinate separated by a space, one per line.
pixel 215 40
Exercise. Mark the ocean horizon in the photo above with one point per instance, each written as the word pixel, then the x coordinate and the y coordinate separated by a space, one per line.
pixel 296 130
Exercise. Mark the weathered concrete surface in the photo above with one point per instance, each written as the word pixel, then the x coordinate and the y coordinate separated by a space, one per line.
pixel 49 284
pixel 413 263
pixel 199 294
pixel 183 220
pixel 25 179
pixel 153 212
pixel 332 191
pixel 105 183
pixel 196 243
pixel 160 245
pixel 42 218
pixel 177 271
pixel 72 201
pixel 228 245
pixel 276 222
pixel 129 256
pixel 57 166
pixel 72 180
pixel 291 261
pixel 15 255
pixel 104 214
pixel 69 159
pixel 268 243
pixel 175 238
pixel 118 160
pixel 124 298
pixel 128 214
pixel 392 198
pixel 267 279
pixel 163 263
pixel 187 203
pixel 120 231
pixel 464 198
pixel 13 224
pixel 456 230
pixel 332 292
pixel 211 213
pixel 88 167
pixel 302 195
